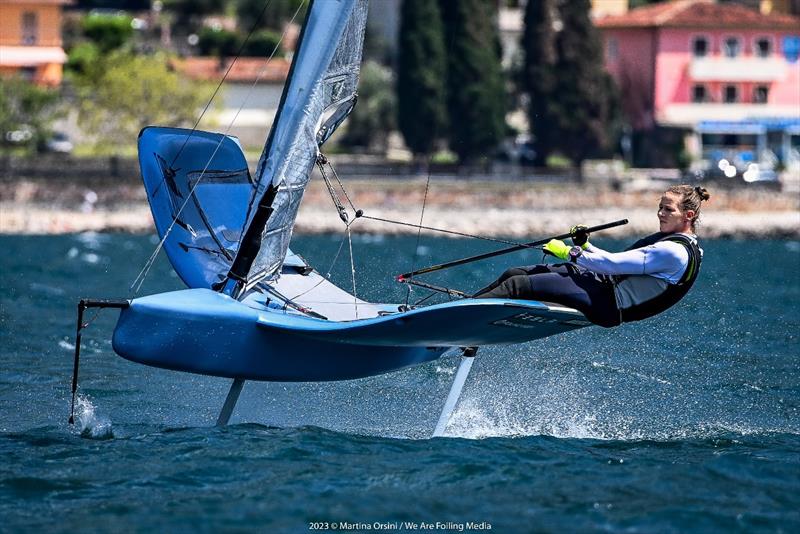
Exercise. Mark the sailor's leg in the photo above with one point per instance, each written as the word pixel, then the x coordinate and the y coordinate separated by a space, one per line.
pixel 230 401
pixel 455 391
pixel 517 286
pixel 508 274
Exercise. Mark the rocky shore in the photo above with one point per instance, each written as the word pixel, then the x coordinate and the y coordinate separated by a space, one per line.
pixel 488 208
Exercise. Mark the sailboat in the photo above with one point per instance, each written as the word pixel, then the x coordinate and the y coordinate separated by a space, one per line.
pixel 255 310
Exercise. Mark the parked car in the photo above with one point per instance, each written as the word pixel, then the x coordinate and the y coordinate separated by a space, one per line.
pixel 59 143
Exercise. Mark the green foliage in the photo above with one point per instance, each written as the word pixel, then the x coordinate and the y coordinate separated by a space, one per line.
pixel 83 59
pixel 374 115
pixel 191 8
pixel 574 106
pixel 639 3
pixel 25 107
pixel 263 43
pixel 539 76
pixel 422 116
pixel 131 92
pixel 475 85
pixel 276 14
pixel 108 32
pixel 222 43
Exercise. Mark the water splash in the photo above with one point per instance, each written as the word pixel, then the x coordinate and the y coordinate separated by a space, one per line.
pixel 91 424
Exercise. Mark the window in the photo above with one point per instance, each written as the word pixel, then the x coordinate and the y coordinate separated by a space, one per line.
pixel 613 49
pixel 30 28
pixel 699 94
pixel 732 47
pixel 762 47
pixel 700 47
pixel 730 94
pixel 28 73
pixel 760 94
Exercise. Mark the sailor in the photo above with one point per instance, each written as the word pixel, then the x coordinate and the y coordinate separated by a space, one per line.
pixel 610 288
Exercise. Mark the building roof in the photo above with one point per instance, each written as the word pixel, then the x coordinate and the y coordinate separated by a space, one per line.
pixel 244 69
pixel 698 14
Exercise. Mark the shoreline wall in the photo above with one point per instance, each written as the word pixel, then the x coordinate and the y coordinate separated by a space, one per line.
pixel 495 208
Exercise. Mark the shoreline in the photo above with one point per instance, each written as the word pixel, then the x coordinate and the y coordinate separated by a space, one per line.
pixel 493 209
pixel 493 222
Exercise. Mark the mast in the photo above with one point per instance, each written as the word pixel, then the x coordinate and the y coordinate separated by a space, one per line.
pixel 318 95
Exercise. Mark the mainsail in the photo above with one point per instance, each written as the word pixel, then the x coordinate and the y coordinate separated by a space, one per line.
pixel 321 91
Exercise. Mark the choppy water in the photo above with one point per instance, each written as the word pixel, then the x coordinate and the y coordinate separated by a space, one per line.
pixel 688 422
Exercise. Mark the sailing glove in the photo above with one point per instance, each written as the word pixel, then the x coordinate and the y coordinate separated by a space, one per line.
pixel 580 237
pixel 557 248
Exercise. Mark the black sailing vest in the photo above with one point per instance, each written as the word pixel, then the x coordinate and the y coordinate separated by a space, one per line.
pixel 674 292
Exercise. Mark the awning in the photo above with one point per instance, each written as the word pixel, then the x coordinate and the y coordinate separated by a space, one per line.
pixel 730 127
pixel 29 56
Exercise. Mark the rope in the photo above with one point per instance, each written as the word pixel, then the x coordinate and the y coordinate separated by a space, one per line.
pixel 137 283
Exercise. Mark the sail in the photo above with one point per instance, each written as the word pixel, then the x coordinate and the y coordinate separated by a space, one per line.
pixel 192 179
pixel 321 91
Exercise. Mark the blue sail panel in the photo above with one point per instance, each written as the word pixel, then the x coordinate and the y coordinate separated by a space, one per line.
pixel 198 184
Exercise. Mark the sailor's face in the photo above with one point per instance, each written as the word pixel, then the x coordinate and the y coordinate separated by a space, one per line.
pixel 670 217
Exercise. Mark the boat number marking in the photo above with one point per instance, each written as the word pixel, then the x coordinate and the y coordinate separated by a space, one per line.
pixel 530 320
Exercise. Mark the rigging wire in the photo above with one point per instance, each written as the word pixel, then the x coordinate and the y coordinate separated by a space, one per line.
pixel 137 283
pixel 442 230
pixel 419 230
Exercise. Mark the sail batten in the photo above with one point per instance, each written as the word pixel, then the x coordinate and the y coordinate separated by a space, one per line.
pixel 317 97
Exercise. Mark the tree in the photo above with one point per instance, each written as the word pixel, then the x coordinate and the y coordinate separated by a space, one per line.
pixel 420 76
pixel 573 102
pixel 585 94
pixel 275 13
pixel 539 76
pixel 475 85
pixel 26 111
pixel 373 117
pixel 108 32
pixel 130 92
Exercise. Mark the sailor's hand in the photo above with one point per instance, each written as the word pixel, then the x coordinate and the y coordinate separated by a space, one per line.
pixel 557 248
pixel 580 237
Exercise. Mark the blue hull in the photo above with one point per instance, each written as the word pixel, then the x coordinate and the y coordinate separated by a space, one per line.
pixel 201 331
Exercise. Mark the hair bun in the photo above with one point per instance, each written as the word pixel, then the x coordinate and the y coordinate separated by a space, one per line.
pixel 702 192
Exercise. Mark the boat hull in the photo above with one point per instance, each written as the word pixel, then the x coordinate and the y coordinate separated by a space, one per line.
pixel 205 332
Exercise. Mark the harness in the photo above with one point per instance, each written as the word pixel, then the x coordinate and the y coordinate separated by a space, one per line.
pixel 674 292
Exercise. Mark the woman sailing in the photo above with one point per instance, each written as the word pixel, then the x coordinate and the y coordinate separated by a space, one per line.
pixel 610 288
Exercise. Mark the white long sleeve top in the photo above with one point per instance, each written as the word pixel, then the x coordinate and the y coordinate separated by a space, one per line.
pixel 665 260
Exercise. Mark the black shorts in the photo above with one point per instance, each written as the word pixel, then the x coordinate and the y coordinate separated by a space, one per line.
pixel 565 284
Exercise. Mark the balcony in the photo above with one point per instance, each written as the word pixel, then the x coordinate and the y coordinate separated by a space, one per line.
pixel 741 69
pixel 688 115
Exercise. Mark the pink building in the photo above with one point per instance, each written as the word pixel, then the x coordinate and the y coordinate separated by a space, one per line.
pixel 698 65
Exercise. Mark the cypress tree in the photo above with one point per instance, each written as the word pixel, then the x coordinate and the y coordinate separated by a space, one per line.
pixel 539 74
pixel 475 84
pixel 584 102
pixel 573 101
pixel 420 76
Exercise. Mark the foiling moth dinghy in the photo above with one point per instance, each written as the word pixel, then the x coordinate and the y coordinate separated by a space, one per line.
pixel 253 309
